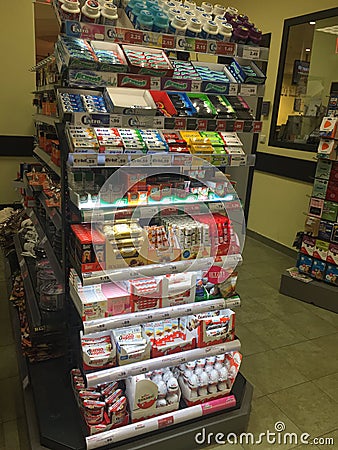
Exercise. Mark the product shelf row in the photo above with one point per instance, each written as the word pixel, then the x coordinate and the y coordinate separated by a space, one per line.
pixel 46 160
pixel 130 370
pixel 150 270
pixel 135 318
pixel 55 263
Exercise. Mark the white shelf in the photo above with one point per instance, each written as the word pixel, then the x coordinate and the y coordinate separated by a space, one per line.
pixel 129 370
pixel 153 315
pixel 46 88
pixel 100 440
pixel 49 120
pixel 45 157
pixel 152 270
pixel 183 162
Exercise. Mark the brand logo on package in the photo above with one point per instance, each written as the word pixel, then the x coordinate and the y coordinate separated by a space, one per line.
pixel 85 77
pixel 137 83
pixel 169 84
pixel 216 87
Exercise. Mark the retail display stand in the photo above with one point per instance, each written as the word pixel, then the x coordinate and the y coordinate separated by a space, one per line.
pixel 318 256
pixel 76 166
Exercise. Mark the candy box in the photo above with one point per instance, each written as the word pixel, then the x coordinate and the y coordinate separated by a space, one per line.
pixel 110 57
pixel 145 293
pixel 216 78
pixel 76 53
pixel 178 289
pixel 331 274
pixel 246 71
pixel 130 102
pixel 334 235
pixel 118 299
pixel 91 303
pixel 318 269
pixel 148 61
pixel 330 211
pixel 203 105
pixel 88 247
pixel 304 263
pixel 98 350
pixel 127 354
pixel 163 103
pixel 143 395
pixel 319 188
pixel 308 245
pixel 321 250
pixel 323 169
pixel 332 255
pixel 329 127
pixel 214 327
pixel 334 171
pixel 218 386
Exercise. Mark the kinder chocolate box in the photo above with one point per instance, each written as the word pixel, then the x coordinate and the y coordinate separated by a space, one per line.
pixel 321 250
pixel 304 264
pixel 308 245
pixel 318 269
pixel 331 274
pixel 332 255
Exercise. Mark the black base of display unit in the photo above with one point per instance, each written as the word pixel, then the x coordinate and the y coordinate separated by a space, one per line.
pixel 316 292
pixel 61 426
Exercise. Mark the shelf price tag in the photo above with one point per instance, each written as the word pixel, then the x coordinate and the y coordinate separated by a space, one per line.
pixel 155 83
pixel 251 52
pixel 233 89
pixel 239 125
pixel 248 89
pixel 221 125
pixel 115 120
pixel 216 207
pixel 257 127
pixel 196 86
pixel 158 123
pixel 85 159
pixel 160 160
pixel 226 48
pixel 180 123
pixel 168 41
pixel 202 124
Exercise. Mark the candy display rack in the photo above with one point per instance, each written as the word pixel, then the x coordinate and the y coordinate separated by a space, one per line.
pixel 60 422
pixel 317 257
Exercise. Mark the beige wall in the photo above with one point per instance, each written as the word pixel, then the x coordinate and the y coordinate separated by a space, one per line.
pixel 272 197
pixel 17 48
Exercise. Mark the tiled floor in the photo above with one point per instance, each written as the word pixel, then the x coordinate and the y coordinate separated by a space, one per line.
pixel 290 353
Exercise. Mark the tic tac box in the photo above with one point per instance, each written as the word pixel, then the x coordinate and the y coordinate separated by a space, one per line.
pixel 318 269
pixel 142 394
pixel 330 211
pixel 320 250
pixel 319 188
pixel 304 263
pixel 329 127
pixel 332 255
pixel 323 169
pixel 331 274
pixel 308 245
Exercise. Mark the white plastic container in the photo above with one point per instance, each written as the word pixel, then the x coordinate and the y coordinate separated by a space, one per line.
pixel 199 11
pixel 205 17
pixel 167 6
pixel 219 19
pixel 109 14
pixel 189 15
pixel 194 28
pixel 224 31
pixel 173 12
pixel 219 10
pixel 207 7
pixel 191 4
pixel 70 10
pixel 90 12
pixel 184 8
pixel 232 10
pixel 178 25
pixel 210 30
